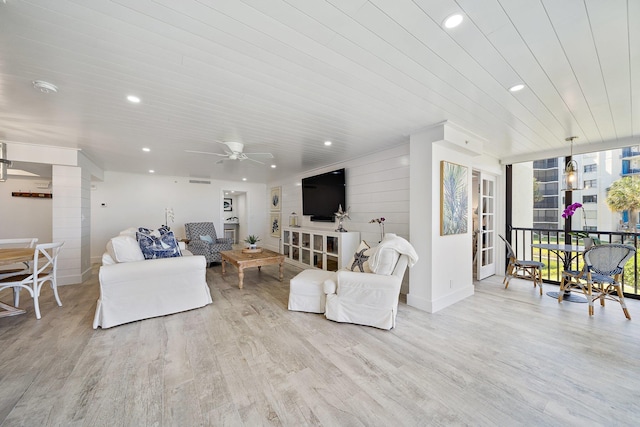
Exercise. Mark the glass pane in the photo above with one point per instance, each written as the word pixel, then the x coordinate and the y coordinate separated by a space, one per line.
pixel 306 256
pixel 332 263
pixel 295 253
pixel 317 242
pixel 306 240
pixel 487 256
pixel 285 250
pixel 332 245
pixel 488 222
pixel 295 238
pixel 285 236
pixel 317 259
pixel 487 187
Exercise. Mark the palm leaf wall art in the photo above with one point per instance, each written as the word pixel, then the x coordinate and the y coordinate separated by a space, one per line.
pixel 454 198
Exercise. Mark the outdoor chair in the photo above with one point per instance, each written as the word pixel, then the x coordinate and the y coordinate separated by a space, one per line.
pixel 601 276
pixel 521 269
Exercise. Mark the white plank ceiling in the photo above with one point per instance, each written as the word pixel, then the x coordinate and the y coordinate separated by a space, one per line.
pixel 284 76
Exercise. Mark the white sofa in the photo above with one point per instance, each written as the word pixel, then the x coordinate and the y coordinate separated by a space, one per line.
pixel 134 289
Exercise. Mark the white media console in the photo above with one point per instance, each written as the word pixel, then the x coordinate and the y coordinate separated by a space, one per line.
pixel 323 249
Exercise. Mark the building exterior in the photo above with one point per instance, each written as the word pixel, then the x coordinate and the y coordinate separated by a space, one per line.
pixel 599 170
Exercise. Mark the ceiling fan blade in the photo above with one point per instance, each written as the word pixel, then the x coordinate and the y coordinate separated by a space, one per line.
pixel 253 160
pixel 262 155
pixel 205 152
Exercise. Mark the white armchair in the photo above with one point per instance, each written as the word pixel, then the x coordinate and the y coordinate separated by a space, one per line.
pixel 365 298
pixel 371 298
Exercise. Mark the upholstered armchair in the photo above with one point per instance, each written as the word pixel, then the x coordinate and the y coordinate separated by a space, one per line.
pixel 371 298
pixel 203 240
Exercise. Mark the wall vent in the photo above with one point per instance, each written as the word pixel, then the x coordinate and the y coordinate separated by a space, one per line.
pixel 198 181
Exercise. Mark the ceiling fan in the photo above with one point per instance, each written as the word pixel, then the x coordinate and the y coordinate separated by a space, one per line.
pixel 235 152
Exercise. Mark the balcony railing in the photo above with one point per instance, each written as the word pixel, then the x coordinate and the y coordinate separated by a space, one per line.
pixel 523 238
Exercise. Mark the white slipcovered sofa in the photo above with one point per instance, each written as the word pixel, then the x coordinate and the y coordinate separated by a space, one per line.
pixel 133 288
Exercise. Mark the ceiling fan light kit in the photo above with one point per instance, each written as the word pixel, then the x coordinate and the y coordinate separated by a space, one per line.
pixel 45 87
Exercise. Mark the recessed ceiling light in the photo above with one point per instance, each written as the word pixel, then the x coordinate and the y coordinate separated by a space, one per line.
pixel 328 143
pixel 152 171
pixel 244 179
pixel 453 21
pixel 44 87
pixel 134 99
pixel 273 166
pixel 146 149
pixel 516 88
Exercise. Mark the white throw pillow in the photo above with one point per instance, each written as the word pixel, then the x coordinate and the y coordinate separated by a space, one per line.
pixel 131 232
pixel 359 261
pixel 124 249
pixel 387 260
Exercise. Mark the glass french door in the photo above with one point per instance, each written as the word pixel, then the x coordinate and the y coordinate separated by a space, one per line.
pixel 487 227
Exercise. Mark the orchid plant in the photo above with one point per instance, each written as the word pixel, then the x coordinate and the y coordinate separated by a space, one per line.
pixel 380 222
pixel 568 213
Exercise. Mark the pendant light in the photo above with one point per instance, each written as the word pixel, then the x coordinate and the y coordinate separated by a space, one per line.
pixel 571 179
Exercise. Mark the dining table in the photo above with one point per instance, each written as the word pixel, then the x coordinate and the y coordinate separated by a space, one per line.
pixel 567 254
pixel 12 256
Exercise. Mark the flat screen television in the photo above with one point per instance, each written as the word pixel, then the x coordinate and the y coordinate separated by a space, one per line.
pixel 322 194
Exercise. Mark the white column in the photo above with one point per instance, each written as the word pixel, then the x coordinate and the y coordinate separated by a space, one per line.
pixel 444 273
pixel 71 222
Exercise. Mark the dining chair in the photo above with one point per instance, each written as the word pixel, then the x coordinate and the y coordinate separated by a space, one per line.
pixel 44 269
pixel 15 269
pixel 521 269
pixel 602 274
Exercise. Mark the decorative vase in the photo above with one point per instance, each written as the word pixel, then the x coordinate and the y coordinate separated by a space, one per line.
pixel 253 246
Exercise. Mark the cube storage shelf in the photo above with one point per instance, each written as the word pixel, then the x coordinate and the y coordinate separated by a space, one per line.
pixel 322 249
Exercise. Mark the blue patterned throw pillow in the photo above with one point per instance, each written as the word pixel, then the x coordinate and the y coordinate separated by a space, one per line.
pixel 163 229
pixel 154 247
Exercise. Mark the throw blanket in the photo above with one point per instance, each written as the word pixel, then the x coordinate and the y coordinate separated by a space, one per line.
pixel 400 245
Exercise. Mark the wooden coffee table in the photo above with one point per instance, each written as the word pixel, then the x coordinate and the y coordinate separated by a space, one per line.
pixel 245 260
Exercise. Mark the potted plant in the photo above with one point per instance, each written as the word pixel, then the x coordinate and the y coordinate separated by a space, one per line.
pixel 252 240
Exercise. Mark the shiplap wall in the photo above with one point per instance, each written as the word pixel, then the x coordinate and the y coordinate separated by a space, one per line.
pixel 377 186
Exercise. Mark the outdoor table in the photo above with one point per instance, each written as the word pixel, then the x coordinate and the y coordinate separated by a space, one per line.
pixel 567 254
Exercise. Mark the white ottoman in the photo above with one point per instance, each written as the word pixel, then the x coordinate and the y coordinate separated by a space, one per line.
pixel 306 291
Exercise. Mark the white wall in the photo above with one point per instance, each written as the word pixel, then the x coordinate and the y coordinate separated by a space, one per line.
pixel 444 273
pixel 377 186
pixel 24 216
pixel 134 200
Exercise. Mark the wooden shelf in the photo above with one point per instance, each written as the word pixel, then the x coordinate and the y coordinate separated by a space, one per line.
pixel 32 195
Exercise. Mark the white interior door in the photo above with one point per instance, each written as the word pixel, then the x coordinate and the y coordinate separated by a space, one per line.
pixel 486 250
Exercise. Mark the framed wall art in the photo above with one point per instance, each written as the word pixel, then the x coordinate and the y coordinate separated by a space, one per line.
pixel 454 198
pixel 274 224
pixel 276 198
pixel 228 205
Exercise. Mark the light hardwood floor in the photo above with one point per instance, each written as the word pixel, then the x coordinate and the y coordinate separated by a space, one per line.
pixel 498 358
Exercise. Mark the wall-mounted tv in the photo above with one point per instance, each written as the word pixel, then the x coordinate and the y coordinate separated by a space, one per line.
pixel 322 194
